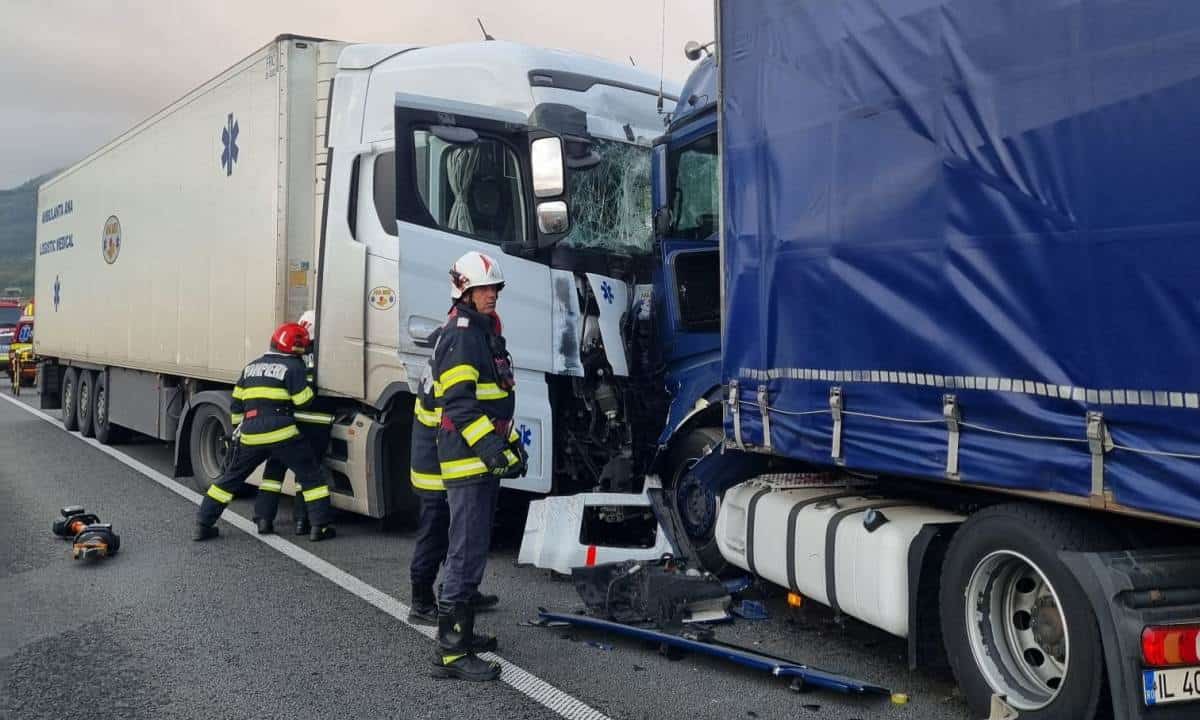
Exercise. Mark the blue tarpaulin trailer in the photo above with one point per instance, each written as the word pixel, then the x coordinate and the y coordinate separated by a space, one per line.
pixel 962 240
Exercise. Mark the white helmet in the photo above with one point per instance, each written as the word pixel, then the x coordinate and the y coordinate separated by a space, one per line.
pixel 474 270
pixel 309 320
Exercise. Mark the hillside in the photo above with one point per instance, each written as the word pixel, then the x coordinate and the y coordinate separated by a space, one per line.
pixel 18 223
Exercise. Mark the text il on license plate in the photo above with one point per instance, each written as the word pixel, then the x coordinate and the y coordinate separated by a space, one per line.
pixel 1169 686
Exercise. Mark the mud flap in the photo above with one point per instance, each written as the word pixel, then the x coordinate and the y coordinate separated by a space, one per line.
pixel 1130 590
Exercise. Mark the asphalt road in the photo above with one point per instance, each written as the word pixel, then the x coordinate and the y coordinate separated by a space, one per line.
pixel 237 628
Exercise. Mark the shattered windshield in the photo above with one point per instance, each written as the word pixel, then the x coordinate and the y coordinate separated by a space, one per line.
pixel 610 203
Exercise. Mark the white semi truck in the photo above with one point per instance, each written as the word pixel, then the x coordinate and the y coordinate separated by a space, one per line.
pixel 346 178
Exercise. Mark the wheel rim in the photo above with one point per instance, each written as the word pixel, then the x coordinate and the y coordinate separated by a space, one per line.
pixel 214 447
pixel 1016 630
pixel 101 407
pixel 85 395
pixel 69 399
pixel 696 502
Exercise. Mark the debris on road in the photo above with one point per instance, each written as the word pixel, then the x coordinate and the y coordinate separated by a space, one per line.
pixel 90 538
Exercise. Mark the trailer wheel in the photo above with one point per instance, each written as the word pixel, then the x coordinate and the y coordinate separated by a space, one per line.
pixel 106 432
pixel 694 501
pixel 1014 620
pixel 83 406
pixel 209 445
pixel 70 398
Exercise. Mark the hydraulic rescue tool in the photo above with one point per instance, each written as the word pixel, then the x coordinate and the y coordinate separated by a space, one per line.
pixel 90 538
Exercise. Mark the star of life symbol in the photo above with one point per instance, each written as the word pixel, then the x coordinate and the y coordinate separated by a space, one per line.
pixel 607 291
pixel 229 135
pixel 526 434
pixel 57 289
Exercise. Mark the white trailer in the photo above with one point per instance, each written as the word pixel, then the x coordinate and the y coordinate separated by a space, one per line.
pixel 165 258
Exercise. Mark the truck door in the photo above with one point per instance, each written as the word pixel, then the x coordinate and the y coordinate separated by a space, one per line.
pixel 464 182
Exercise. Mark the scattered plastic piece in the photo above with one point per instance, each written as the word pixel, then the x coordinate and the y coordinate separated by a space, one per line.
pixel 750 610
pixel 899 699
pixel 599 645
pixel 738 584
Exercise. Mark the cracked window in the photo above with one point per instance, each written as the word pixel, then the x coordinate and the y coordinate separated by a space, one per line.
pixel 610 203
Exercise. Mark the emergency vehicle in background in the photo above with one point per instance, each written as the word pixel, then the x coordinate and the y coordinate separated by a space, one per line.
pixel 10 315
pixel 22 363
pixel 348 178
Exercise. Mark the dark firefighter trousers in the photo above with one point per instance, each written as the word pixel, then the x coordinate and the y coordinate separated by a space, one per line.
pixel 266 504
pixel 472 507
pixel 295 454
pixel 433 538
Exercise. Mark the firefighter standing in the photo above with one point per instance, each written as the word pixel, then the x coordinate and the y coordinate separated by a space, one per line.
pixel 476 446
pixel 266 396
pixel 315 427
pixel 434 523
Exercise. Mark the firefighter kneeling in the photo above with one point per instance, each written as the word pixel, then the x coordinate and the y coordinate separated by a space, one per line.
pixel 265 400
pixel 474 390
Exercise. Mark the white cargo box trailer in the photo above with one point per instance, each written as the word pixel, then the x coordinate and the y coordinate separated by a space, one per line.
pixel 181 244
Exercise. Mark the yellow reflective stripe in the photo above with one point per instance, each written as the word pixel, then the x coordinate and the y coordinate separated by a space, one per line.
pixel 316 493
pixel 447 659
pixel 235 418
pixel 271 486
pixel 512 434
pixel 303 396
pixel 457 374
pixel 512 457
pixel 462 468
pixel 313 417
pixel 308 378
pixel 238 392
pixel 219 495
pixel 427 481
pixel 428 418
pixel 474 432
pixel 489 391
pixel 262 393
pixel 274 436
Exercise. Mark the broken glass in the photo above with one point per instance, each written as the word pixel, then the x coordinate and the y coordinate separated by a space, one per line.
pixel 610 203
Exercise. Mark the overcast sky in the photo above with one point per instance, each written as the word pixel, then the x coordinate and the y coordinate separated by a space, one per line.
pixel 76 73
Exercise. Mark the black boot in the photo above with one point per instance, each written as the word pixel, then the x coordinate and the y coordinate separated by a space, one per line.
pixel 302 527
pixel 480 601
pixel 456 659
pixel 205 532
pixel 424 606
pixel 265 526
pixel 322 532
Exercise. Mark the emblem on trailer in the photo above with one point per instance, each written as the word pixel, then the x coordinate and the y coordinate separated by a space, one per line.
pixel 57 289
pixel 526 434
pixel 110 241
pixel 607 291
pixel 382 297
pixel 229 136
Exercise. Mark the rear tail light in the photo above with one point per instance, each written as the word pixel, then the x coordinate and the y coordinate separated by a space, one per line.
pixel 1169 645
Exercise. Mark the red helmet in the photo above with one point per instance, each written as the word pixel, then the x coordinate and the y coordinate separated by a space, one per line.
pixel 290 338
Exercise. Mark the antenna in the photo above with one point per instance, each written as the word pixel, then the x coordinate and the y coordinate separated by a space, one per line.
pixel 662 56
pixel 484 30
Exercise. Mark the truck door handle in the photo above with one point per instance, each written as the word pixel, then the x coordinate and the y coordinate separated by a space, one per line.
pixel 420 328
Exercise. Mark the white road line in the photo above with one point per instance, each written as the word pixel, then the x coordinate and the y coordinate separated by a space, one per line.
pixel 562 703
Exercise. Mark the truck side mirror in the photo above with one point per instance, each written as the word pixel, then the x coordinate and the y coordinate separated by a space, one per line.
pixel 549 171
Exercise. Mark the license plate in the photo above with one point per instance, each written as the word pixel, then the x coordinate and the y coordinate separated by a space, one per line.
pixel 1171 686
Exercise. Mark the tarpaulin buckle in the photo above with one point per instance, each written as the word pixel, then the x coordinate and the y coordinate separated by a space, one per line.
pixel 766 416
pixel 836 407
pixel 1099 442
pixel 735 404
pixel 953 418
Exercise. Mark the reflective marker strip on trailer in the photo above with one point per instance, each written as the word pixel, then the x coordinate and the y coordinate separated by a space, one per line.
pixel 528 684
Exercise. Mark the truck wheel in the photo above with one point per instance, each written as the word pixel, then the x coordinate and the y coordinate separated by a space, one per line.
pixel 83 405
pixel 106 432
pixel 70 399
pixel 209 444
pixel 1014 620
pixel 694 501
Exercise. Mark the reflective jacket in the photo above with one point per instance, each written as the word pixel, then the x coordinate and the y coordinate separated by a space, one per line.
pixel 474 389
pixel 426 472
pixel 266 397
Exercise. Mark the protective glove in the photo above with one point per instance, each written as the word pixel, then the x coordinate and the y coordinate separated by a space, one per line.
pixel 522 465
pixel 500 462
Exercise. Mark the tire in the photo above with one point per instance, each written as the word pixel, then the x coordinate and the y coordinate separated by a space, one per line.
pixel 1036 640
pixel 106 432
pixel 209 444
pixel 403 506
pixel 694 504
pixel 70 399
pixel 84 405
